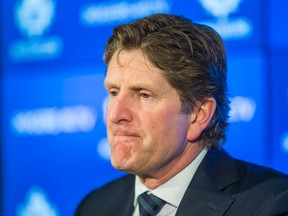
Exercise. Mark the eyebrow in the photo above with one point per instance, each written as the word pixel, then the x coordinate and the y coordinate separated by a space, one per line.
pixel 141 86
pixel 108 84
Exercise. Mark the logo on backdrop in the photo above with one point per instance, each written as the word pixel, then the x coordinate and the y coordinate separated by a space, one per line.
pixel 37 203
pixel 228 28
pixel 33 19
pixel 106 13
pixel 53 120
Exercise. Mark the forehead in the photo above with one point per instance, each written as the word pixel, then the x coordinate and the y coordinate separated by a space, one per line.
pixel 129 65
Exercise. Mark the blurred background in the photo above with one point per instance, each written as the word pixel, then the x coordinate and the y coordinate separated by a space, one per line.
pixel 53 137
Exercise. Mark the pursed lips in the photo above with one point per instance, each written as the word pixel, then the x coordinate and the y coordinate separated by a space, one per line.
pixel 125 133
pixel 125 137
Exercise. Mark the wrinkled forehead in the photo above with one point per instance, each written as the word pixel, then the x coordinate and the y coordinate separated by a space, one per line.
pixel 131 68
pixel 132 60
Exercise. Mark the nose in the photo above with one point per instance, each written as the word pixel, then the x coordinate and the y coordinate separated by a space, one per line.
pixel 120 110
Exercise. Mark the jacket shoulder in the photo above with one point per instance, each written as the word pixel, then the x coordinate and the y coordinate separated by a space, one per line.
pixel 262 190
pixel 101 200
pixel 252 174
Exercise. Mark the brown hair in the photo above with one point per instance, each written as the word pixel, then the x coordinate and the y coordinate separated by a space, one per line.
pixel 193 60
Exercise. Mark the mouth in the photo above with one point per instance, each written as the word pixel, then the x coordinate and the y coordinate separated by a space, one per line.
pixel 125 133
pixel 124 136
pixel 132 135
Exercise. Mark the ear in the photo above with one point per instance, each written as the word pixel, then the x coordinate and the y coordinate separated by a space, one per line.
pixel 200 118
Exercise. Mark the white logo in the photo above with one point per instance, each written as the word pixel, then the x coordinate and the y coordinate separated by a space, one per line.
pixel 37 203
pixel 220 8
pixel 34 17
pixel 106 13
pixel 52 121
pixel 234 28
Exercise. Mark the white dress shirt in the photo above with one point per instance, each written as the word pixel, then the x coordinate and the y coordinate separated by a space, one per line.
pixel 172 191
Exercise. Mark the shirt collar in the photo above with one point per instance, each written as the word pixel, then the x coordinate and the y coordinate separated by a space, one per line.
pixel 173 190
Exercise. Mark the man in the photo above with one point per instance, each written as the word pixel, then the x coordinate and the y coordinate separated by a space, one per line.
pixel 166 121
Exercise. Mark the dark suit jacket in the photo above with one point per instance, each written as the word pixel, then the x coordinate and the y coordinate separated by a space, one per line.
pixel 221 186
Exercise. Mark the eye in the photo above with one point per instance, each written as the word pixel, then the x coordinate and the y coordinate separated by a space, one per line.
pixel 145 95
pixel 113 93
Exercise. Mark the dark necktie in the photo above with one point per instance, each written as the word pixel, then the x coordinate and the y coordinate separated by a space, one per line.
pixel 149 204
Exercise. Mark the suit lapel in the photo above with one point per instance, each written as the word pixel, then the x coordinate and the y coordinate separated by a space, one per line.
pixel 204 195
pixel 124 205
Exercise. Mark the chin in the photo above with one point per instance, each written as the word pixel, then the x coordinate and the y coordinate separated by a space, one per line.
pixel 123 166
pixel 118 164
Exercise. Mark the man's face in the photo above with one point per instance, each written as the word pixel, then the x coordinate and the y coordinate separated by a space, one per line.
pixel 146 130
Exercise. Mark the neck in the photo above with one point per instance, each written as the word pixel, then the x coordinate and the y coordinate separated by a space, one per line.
pixel 163 175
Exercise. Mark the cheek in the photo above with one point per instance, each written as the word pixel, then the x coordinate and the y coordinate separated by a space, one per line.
pixel 171 128
pixel 157 131
pixel 162 123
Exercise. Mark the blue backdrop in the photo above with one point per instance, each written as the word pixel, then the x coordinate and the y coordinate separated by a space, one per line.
pixel 53 136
